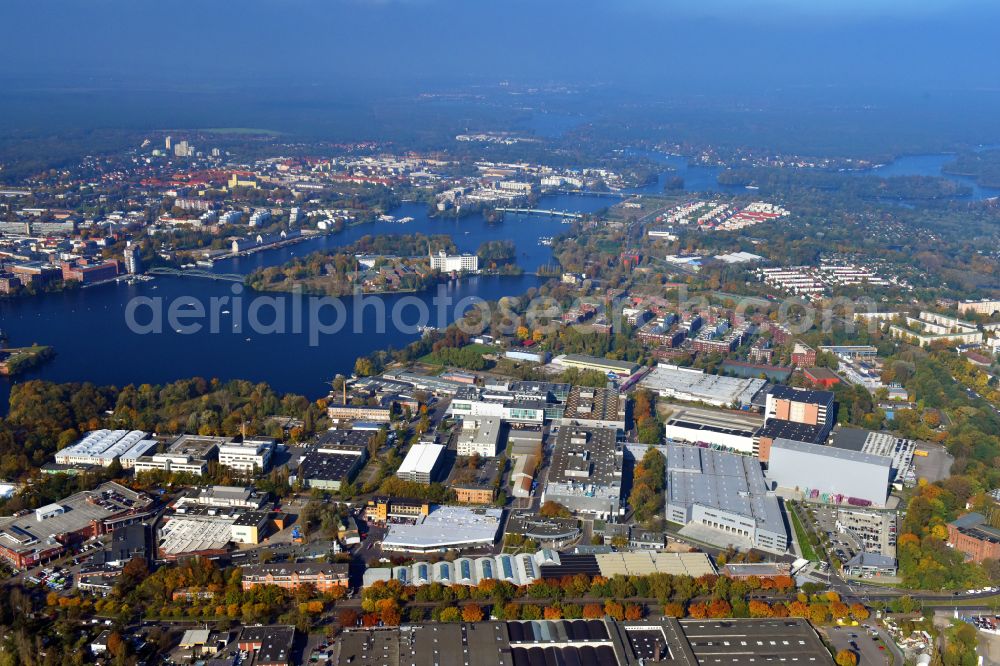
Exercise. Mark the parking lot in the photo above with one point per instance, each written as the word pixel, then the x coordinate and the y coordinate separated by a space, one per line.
pixel 843 545
pixel 868 648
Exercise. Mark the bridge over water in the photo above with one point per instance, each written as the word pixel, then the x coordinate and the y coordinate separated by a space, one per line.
pixel 541 211
pixel 197 273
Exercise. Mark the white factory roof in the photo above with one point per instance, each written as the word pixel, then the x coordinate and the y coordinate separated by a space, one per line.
pixel 105 445
pixel 420 459
pixel 187 535
pixel 696 385
pixel 446 527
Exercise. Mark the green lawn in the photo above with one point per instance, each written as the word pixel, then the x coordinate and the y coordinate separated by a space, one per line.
pixel 802 537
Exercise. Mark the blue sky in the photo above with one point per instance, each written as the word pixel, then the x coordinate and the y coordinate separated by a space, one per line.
pixel 909 44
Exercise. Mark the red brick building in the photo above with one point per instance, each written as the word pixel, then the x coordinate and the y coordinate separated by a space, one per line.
pixel 323 577
pixel 975 537
pixel 821 377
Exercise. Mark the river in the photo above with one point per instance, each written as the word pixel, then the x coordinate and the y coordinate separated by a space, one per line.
pixel 93 342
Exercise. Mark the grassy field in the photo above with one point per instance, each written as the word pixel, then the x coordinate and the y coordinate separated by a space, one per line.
pixel 802 537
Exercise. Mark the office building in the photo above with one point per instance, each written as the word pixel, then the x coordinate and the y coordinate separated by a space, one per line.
pixel 422 463
pixel 381 510
pixel 829 473
pixel 803 356
pixel 251 456
pixel 722 498
pixel 585 474
pixel 480 436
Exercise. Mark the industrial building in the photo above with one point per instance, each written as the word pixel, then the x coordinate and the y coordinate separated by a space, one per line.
pixel 329 470
pixel 899 449
pixel 480 436
pixel 226 496
pixel 103 447
pixel 666 641
pixel 208 531
pixel 422 463
pixel 972 535
pixel 520 569
pixel 609 366
pixel 829 473
pixel 444 528
pixel 626 563
pixel 188 454
pixel 473 402
pixel 797 405
pixel 729 430
pixel 775 429
pixel 30 539
pixel 585 474
pixel 599 407
pixel 723 498
pixel 378 413
pixel 692 385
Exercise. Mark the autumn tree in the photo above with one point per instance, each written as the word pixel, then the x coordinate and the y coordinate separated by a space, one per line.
pixel 846 658
pixel 673 609
pixel 472 613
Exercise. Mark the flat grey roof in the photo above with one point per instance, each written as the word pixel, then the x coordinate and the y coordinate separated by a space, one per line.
pixel 723 481
pixel 830 452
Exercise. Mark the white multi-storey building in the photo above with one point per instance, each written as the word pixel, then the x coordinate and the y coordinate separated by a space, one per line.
pixel 248 456
pixel 454 262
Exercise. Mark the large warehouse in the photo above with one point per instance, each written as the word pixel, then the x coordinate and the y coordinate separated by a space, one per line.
pixel 724 498
pixel 819 471
pixel 729 430
pixel 691 385
pixel 444 528
pixel 586 471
